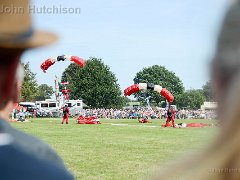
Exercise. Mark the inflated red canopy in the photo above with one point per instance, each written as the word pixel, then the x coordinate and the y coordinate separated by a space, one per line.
pixel 144 86
pixel 49 62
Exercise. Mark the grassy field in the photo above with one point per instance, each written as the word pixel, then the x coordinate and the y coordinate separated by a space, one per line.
pixel 117 149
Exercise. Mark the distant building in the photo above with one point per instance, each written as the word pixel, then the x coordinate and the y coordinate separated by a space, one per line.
pixel 209 106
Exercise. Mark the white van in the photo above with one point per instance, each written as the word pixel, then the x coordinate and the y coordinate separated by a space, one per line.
pixel 75 107
pixel 52 108
pixel 30 106
pixel 48 108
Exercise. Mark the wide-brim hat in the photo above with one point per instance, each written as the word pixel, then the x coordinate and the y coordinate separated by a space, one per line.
pixel 16 29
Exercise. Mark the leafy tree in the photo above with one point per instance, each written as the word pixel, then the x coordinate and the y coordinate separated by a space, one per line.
pixel 94 83
pixel 191 99
pixel 207 91
pixel 29 87
pixel 158 75
pixel 44 92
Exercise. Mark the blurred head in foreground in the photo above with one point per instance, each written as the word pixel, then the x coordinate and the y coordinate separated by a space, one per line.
pixel 226 64
pixel 222 159
pixel 17 148
pixel 16 36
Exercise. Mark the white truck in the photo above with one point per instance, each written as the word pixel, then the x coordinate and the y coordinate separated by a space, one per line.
pixel 48 108
pixel 75 107
pixel 53 108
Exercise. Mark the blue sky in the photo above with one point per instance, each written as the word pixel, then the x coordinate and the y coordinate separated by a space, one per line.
pixel 132 34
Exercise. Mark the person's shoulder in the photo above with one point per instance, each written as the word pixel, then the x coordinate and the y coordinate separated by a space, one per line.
pixel 17 164
pixel 31 144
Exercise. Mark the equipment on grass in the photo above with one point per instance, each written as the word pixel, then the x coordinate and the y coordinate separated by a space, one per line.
pixel 88 120
pixel 184 125
pixel 144 121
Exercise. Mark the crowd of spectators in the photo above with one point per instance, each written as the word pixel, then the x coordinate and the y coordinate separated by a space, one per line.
pixel 151 113
pixel 129 113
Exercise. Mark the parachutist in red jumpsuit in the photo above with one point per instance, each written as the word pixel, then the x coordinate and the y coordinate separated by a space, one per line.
pixel 65 114
pixel 170 117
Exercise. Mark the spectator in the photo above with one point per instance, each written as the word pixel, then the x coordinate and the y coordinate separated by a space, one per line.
pixel 221 160
pixel 22 156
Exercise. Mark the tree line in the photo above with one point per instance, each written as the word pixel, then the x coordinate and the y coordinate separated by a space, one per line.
pixel 31 91
pixel 97 86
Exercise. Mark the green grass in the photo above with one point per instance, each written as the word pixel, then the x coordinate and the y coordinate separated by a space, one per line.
pixel 108 151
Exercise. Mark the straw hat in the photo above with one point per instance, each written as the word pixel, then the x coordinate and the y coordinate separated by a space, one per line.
pixel 16 26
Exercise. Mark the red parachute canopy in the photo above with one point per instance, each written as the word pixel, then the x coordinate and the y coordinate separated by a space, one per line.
pixel 64 83
pixel 131 90
pixel 49 62
pixel 144 86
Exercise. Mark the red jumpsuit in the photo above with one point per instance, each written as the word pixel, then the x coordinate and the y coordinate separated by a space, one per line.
pixel 170 117
pixel 65 114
